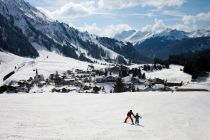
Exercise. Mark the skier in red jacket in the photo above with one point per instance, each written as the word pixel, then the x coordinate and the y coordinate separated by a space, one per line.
pixel 129 116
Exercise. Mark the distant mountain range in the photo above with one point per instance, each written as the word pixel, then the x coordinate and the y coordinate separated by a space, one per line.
pixel 24 30
pixel 137 37
pixel 166 43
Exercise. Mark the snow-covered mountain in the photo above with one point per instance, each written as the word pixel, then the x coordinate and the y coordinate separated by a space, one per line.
pixel 168 42
pixel 44 33
pixel 137 37
pixel 125 35
pixel 199 33
pixel 133 36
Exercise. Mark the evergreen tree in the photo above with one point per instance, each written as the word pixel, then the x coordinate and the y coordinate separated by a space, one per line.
pixel 119 86
pixel 139 73
pixel 143 76
pixel 57 79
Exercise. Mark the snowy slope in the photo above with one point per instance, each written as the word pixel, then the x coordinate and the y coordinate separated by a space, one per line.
pixel 8 62
pixel 201 82
pixel 53 35
pixel 174 74
pixel 178 116
pixel 46 66
pixel 133 36
pixel 125 35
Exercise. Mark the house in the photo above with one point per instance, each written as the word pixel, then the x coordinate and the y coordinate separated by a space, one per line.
pixel 110 79
pixel 87 80
pixel 22 89
pixel 12 89
pixel 69 72
pixel 117 70
pixel 68 81
pixel 170 84
pixel 100 79
pixel 159 81
pixel 41 84
pixel 78 84
pixel 134 80
pixel 90 67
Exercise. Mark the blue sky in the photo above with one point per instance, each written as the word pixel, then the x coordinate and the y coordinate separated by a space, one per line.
pixel 107 17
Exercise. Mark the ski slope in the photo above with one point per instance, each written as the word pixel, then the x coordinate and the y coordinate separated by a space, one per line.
pixel 166 116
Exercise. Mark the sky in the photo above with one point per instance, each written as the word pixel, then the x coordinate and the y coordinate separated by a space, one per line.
pixel 108 17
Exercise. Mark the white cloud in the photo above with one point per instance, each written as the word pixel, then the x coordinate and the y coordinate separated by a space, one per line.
pixel 189 19
pixel 108 31
pixel 203 16
pixel 173 13
pixel 181 27
pixel 209 27
pixel 158 26
pixel 71 10
pixel 119 4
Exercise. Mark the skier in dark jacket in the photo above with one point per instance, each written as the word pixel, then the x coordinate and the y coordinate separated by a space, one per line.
pixel 137 117
pixel 129 116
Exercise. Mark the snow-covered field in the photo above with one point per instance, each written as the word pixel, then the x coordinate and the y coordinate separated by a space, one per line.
pixel 171 75
pixel 177 116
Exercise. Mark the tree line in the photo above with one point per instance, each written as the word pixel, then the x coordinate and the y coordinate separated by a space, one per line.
pixel 197 63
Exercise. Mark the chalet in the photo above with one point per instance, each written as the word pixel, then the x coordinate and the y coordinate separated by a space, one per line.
pixel 110 79
pixel 170 84
pixel 68 81
pixel 97 72
pixel 62 90
pixel 134 80
pixel 158 81
pixel 41 84
pixel 116 70
pixel 22 83
pixel 69 72
pixel 11 89
pixel 100 79
pixel 56 90
pixel 90 67
pixel 22 89
pixel 78 84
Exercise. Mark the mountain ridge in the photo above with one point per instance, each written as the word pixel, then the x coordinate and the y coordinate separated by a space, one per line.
pixel 44 33
pixel 169 42
pixel 138 37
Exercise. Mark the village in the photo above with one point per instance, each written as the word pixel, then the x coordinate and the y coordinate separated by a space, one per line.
pixel 113 79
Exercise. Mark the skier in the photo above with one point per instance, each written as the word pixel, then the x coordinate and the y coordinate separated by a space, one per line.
pixel 137 117
pixel 129 116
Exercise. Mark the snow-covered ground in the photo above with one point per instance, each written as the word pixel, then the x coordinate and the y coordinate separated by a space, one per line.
pixel 48 63
pixel 173 74
pixel 177 116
